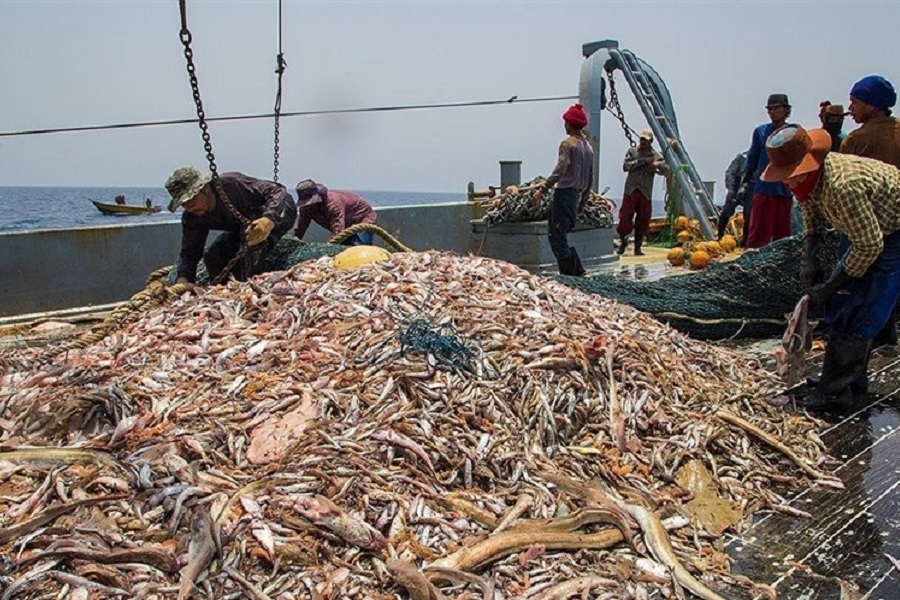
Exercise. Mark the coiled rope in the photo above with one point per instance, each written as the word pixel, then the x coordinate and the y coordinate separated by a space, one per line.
pixel 156 293
pixel 371 228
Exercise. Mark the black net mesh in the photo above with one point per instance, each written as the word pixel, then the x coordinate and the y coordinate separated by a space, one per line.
pixel 747 297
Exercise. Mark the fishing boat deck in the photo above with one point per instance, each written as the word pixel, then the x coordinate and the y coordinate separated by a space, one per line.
pixel 849 548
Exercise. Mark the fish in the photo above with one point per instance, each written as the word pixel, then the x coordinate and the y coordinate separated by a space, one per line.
pixel 201 549
pixel 790 357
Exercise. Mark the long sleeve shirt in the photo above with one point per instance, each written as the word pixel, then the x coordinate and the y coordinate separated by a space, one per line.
pixel 758 160
pixel 338 211
pixel 734 173
pixel 877 138
pixel 640 174
pixel 860 197
pixel 252 198
pixel 574 165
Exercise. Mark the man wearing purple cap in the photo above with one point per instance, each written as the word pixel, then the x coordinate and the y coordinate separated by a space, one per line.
pixel 334 210
pixel 860 198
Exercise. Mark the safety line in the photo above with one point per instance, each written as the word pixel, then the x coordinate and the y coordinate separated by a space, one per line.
pixel 303 113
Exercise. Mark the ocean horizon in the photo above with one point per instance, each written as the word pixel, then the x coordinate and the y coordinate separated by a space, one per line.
pixel 29 208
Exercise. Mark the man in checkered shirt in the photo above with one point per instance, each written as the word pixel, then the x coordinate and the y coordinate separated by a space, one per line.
pixel 860 198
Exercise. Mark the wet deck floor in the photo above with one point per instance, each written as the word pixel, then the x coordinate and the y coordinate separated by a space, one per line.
pixel 845 550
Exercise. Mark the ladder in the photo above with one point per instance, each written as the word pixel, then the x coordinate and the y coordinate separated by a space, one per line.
pixel 648 89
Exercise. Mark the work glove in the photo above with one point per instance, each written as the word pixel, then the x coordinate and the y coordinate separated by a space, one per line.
pixel 810 274
pixel 259 230
pixel 822 293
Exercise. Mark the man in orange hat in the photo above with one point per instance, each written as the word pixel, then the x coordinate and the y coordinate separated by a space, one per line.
pixel 571 183
pixel 860 198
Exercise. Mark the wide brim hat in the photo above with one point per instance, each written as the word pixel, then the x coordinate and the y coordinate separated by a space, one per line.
pixel 184 184
pixel 794 151
pixel 309 192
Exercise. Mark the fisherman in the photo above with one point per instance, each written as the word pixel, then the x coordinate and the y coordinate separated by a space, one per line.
pixel 148 203
pixel 641 163
pixel 265 204
pixel 860 198
pixel 878 137
pixel 770 203
pixel 871 100
pixel 335 210
pixel 120 200
pixel 571 182
pixel 832 118
pixel 733 194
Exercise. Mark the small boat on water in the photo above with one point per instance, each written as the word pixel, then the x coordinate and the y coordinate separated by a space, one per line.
pixel 124 209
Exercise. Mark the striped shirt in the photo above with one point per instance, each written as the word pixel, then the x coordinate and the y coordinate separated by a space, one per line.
pixel 860 197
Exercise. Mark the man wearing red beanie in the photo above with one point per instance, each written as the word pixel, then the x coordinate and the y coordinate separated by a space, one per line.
pixel 571 183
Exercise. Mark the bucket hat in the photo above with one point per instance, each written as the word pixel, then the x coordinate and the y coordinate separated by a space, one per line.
pixel 310 192
pixel 184 184
pixel 793 151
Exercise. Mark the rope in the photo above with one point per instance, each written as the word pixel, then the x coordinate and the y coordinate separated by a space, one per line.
pixel 154 294
pixel 298 113
pixel 371 228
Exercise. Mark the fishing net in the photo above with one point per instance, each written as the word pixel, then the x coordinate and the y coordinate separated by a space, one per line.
pixel 515 206
pixel 746 297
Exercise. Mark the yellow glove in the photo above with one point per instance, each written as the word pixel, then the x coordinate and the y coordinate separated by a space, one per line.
pixel 259 230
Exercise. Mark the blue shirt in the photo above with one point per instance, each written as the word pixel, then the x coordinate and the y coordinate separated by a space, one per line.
pixel 758 160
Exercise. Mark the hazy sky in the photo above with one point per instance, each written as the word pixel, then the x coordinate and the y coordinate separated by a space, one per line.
pixel 71 63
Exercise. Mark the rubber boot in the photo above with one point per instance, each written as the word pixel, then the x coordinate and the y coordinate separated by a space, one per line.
pixel 723 224
pixel 844 373
pixel 638 241
pixel 577 267
pixel 888 334
pixel 623 242
pixel 566 266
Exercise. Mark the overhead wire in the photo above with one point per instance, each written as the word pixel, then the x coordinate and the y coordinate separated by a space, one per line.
pixel 301 113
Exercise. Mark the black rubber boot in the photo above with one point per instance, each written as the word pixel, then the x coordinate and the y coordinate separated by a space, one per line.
pixel 578 268
pixel 623 242
pixel 638 241
pixel 888 334
pixel 566 266
pixel 844 373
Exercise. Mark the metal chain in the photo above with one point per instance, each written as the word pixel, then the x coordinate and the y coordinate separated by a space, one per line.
pixel 218 190
pixel 615 108
pixel 279 70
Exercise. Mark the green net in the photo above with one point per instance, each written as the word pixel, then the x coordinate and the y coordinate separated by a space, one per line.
pixel 746 297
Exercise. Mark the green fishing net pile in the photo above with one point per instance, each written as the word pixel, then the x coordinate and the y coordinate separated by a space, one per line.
pixel 747 297
pixel 519 208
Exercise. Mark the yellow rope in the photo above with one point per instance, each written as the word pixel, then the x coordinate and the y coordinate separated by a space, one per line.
pixel 371 228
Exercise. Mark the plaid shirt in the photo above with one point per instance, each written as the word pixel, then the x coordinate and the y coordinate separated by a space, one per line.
pixel 860 197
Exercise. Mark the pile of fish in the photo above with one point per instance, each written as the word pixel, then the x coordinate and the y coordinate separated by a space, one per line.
pixel 428 427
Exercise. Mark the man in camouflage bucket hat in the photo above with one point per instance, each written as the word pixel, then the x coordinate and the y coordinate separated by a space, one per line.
pixel 266 204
